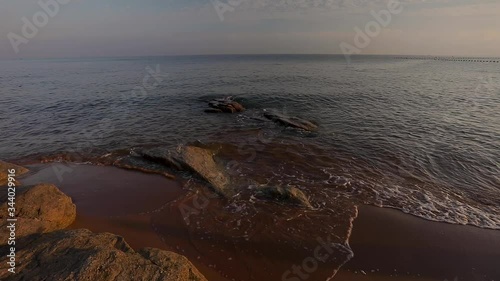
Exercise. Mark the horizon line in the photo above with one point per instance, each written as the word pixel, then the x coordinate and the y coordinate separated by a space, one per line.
pixel 248 54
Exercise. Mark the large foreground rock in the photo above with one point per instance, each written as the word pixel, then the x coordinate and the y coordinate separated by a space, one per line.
pixel 81 255
pixel 39 209
pixel 287 194
pixel 294 122
pixel 197 160
pixel 4 172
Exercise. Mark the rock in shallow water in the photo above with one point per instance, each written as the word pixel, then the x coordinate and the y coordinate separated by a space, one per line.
pixel 197 160
pixel 286 194
pixel 213 110
pixel 142 165
pixel 202 162
pixel 39 209
pixel 83 255
pixel 294 122
pixel 227 105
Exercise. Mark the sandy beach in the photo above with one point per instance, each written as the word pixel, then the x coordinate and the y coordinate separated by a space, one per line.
pixel 387 244
pixel 391 245
pixel 232 140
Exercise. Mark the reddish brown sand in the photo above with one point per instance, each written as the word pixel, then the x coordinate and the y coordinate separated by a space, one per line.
pixel 393 245
pixel 145 209
pixel 114 200
pixel 104 191
pixel 397 246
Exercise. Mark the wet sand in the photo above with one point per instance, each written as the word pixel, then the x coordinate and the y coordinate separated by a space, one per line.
pixel 104 191
pixel 387 244
pixel 397 246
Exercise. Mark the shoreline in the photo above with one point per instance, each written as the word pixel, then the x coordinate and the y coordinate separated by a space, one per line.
pixel 385 241
pixel 393 244
pixel 215 252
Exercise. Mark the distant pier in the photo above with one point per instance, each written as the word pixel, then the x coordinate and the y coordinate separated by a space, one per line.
pixel 460 59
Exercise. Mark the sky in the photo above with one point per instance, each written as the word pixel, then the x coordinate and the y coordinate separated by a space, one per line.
pixel 103 28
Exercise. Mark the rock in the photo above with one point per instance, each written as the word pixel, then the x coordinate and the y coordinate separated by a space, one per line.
pixel 142 165
pixel 213 110
pixel 227 105
pixel 202 162
pixel 197 160
pixel 179 266
pixel 4 172
pixel 237 106
pixel 294 122
pixel 83 255
pixel 285 194
pixel 39 209
pixel 164 156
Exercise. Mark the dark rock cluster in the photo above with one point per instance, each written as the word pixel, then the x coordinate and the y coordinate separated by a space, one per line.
pixel 224 105
pixel 228 105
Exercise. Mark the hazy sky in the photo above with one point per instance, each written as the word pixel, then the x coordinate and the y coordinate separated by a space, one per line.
pixel 171 27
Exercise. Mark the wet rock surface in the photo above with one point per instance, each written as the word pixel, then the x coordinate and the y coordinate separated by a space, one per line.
pixel 4 172
pixel 39 209
pixel 228 105
pixel 288 121
pixel 83 255
pixel 224 105
pixel 140 164
pixel 287 194
pixel 197 160
pixel 202 162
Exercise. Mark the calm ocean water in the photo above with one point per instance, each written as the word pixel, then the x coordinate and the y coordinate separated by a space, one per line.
pixel 422 136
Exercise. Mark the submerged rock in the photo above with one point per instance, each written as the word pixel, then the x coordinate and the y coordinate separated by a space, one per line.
pixel 164 156
pixel 213 110
pixel 142 165
pixel 83 255
pixel 39 209
pixel 286 194
pixel 294 122
pixel 227 105
pixel 197 160
pixel 4 172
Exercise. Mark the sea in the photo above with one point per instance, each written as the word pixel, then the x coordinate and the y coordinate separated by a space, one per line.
pixel 418 134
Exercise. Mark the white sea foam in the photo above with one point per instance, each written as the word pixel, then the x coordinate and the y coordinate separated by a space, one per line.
pixel 442 205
